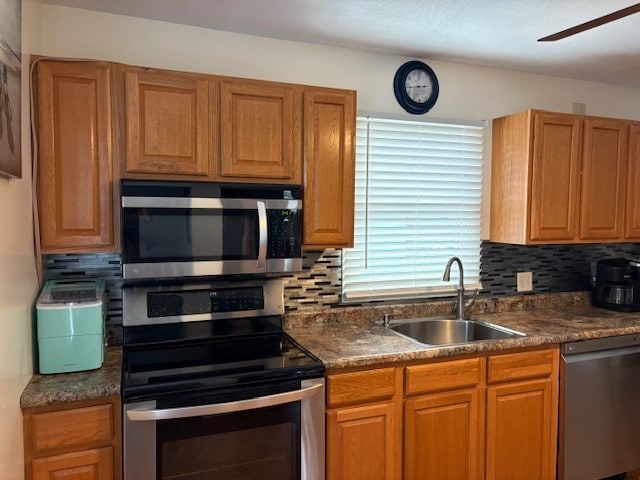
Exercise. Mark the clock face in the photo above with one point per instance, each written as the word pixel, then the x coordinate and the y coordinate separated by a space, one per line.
pixel 418 85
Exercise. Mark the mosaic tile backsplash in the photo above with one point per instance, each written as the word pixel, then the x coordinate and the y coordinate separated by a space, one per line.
pixel 556 268
pixel 99 265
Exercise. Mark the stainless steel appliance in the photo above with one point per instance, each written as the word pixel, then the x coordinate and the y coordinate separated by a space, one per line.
pixel 616 285
pixel 220 392
pixel 599 398
pixel 201 229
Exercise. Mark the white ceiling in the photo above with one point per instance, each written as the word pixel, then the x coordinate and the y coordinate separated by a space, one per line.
pixel 500 33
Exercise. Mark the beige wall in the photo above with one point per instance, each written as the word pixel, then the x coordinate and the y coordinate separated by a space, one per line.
pixel 467 92
pixel 18 284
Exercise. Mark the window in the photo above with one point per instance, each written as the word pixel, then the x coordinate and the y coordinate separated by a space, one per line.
pixel 418 195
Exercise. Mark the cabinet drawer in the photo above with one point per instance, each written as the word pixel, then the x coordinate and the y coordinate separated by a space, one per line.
pixel 369 385
pixel 87 464
pixel 514 366
pixel 71 428
pixel 443 375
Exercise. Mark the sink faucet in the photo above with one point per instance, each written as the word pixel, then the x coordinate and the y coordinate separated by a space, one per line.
pixel 460 303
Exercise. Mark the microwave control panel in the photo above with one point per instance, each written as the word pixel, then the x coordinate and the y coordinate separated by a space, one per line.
pixel 285 239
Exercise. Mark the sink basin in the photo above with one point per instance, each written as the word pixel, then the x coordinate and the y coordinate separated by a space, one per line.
pixel 449 332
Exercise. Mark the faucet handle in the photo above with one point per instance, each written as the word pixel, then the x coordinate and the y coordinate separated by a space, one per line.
pixel 472 298
pixel 387 319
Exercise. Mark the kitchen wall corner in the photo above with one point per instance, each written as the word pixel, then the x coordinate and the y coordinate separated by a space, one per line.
pixel 18 280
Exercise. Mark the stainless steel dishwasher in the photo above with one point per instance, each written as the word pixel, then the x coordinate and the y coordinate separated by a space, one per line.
pixel 599 408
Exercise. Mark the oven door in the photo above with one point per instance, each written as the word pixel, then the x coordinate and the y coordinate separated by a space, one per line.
pixel 272 437
pixel 172 237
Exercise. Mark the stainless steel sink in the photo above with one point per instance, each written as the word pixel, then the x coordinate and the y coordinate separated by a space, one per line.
pixel 448 332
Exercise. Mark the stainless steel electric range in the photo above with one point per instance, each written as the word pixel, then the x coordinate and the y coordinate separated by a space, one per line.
pixel 213 389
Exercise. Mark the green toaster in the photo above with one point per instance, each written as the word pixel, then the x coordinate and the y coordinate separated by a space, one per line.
pixel 70 325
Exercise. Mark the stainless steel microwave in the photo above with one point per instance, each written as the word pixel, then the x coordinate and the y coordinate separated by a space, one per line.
pixel 203 229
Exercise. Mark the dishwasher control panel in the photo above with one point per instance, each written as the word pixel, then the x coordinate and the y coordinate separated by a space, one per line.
pixel 597 344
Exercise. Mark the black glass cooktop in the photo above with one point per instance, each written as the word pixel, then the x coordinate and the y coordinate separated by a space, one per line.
pixel 206 364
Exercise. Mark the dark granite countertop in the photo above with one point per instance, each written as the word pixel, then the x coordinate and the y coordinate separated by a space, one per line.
pixel 347 337
pixel 565 318
pixel 73 387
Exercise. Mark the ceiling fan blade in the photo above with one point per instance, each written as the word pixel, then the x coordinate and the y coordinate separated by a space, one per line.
pixel 592 23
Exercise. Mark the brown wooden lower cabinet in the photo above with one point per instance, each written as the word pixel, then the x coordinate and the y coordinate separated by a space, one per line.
pixel 441 436
pixel 364 433
pixel 85 465
pixel 487 417
pixel 361 442
pixel 74 441
pixel 520 430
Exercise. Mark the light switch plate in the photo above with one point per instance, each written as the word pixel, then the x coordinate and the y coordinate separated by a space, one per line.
pixel 524 281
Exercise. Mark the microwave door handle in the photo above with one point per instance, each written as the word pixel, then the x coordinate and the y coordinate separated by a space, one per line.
pixel 263 235
pixel 142 415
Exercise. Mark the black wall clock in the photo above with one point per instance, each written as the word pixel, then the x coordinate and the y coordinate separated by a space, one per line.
pixel 416 87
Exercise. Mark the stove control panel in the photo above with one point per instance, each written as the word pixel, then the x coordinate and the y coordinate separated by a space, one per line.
pixel 188 302
pixel 192 302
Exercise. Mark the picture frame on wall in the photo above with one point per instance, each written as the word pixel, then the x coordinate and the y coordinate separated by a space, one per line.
pixel 10 72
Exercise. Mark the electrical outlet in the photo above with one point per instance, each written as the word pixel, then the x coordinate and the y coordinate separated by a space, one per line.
pixel 525 281
pixel 580 108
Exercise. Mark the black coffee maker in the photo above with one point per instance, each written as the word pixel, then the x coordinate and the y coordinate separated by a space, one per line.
pixel 616 284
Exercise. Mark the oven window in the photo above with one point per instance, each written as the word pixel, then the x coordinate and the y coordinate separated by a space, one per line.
pixel 175 234
pixel 261 444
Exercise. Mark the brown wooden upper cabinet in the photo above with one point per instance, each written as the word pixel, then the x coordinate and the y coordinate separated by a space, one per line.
pixel 604 172
pixel 554 177
pixel 205 127
pixel 559 178
pixel 75 168
pixel 329 167
pixel 259 130
pixel 632 224
pixel 167 122
pixel 171 125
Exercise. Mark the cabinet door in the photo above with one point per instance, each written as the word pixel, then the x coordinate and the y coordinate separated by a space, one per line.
pixel 632 229
pixel 86 465
pixel 554 176
pixel 329 167
pixel 521 430
pixel 442 436
pixel 259 130
pixel 361 443
pixel 603 180
pixel 167 123
pixel 75 163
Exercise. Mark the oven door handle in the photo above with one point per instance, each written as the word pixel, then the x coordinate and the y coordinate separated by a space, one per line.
pixel 142 415
pixel 262 241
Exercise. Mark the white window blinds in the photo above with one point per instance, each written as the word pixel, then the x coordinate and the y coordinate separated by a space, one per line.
pixel 418 195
